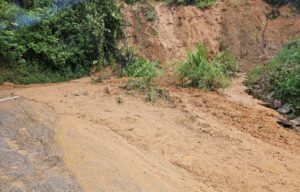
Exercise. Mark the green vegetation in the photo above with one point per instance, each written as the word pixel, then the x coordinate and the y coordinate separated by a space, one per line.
pixel 47 41
pixel 202 4
pixel 131 2
pixel 141 84
pixel 295 3
pixel 139 67
pixel 145 85
pixel 280 76
pixel 273 14
pixel 141 73
pixel 151 14
pixel 227 62
pixel 152 95
pixel 200 72
pixel 199 3
pixel 283 2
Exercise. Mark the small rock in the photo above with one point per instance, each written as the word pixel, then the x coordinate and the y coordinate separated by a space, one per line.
pixel 270 95
pixel 285 123
pixel 106 90
pixel 119 100
pixel 296 122
pixel 277 104
pixel 266 105
pixel 285 109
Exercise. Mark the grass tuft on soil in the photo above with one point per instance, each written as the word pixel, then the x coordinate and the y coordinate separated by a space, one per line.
pixel 200 72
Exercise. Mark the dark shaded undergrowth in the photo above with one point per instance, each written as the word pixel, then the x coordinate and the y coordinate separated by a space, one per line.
pixel 50 41
pixel 279 80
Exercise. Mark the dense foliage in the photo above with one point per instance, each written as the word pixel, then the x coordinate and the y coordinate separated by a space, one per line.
pixel 295 3
pixel 280 76
pixel 47 40
pixel 200 72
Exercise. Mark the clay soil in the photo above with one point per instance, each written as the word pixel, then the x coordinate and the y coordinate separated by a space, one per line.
pixel 112 140
pixel 82 136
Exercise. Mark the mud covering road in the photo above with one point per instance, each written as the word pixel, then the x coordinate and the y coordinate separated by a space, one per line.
pixel 29 159
pixel 114 141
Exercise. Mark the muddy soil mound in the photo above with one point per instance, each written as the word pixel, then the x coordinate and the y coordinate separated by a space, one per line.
pixel 29 160
pixel 199 141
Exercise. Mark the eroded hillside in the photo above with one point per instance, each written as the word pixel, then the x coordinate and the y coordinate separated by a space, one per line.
pixel 241 26
pixel 94 134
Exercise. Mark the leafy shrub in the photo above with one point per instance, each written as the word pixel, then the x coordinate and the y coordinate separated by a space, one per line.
pixel 58 40
pixel 273 14
pixel 143 72
pixel 280 75
pixel 227 62
pixel 199 72
pixel 140 67
pixel 151 14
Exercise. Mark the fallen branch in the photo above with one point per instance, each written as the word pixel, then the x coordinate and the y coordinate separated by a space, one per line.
pixel 9 98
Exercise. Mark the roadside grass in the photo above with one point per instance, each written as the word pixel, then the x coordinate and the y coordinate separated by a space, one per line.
pixel 140 67
pixel 32 77
pixel 200 72
pixel 146 86
pixel 101 77
pixel 281 76
pixel 141 73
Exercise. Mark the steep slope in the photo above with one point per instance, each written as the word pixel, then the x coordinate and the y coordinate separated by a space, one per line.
pixel 242 26
pixel 82 136
pixel 175 30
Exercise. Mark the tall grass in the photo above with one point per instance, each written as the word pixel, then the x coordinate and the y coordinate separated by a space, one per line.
pixel 200 72
pixel 140 67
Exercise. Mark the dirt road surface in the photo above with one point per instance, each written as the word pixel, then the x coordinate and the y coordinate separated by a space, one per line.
pixel 112 140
